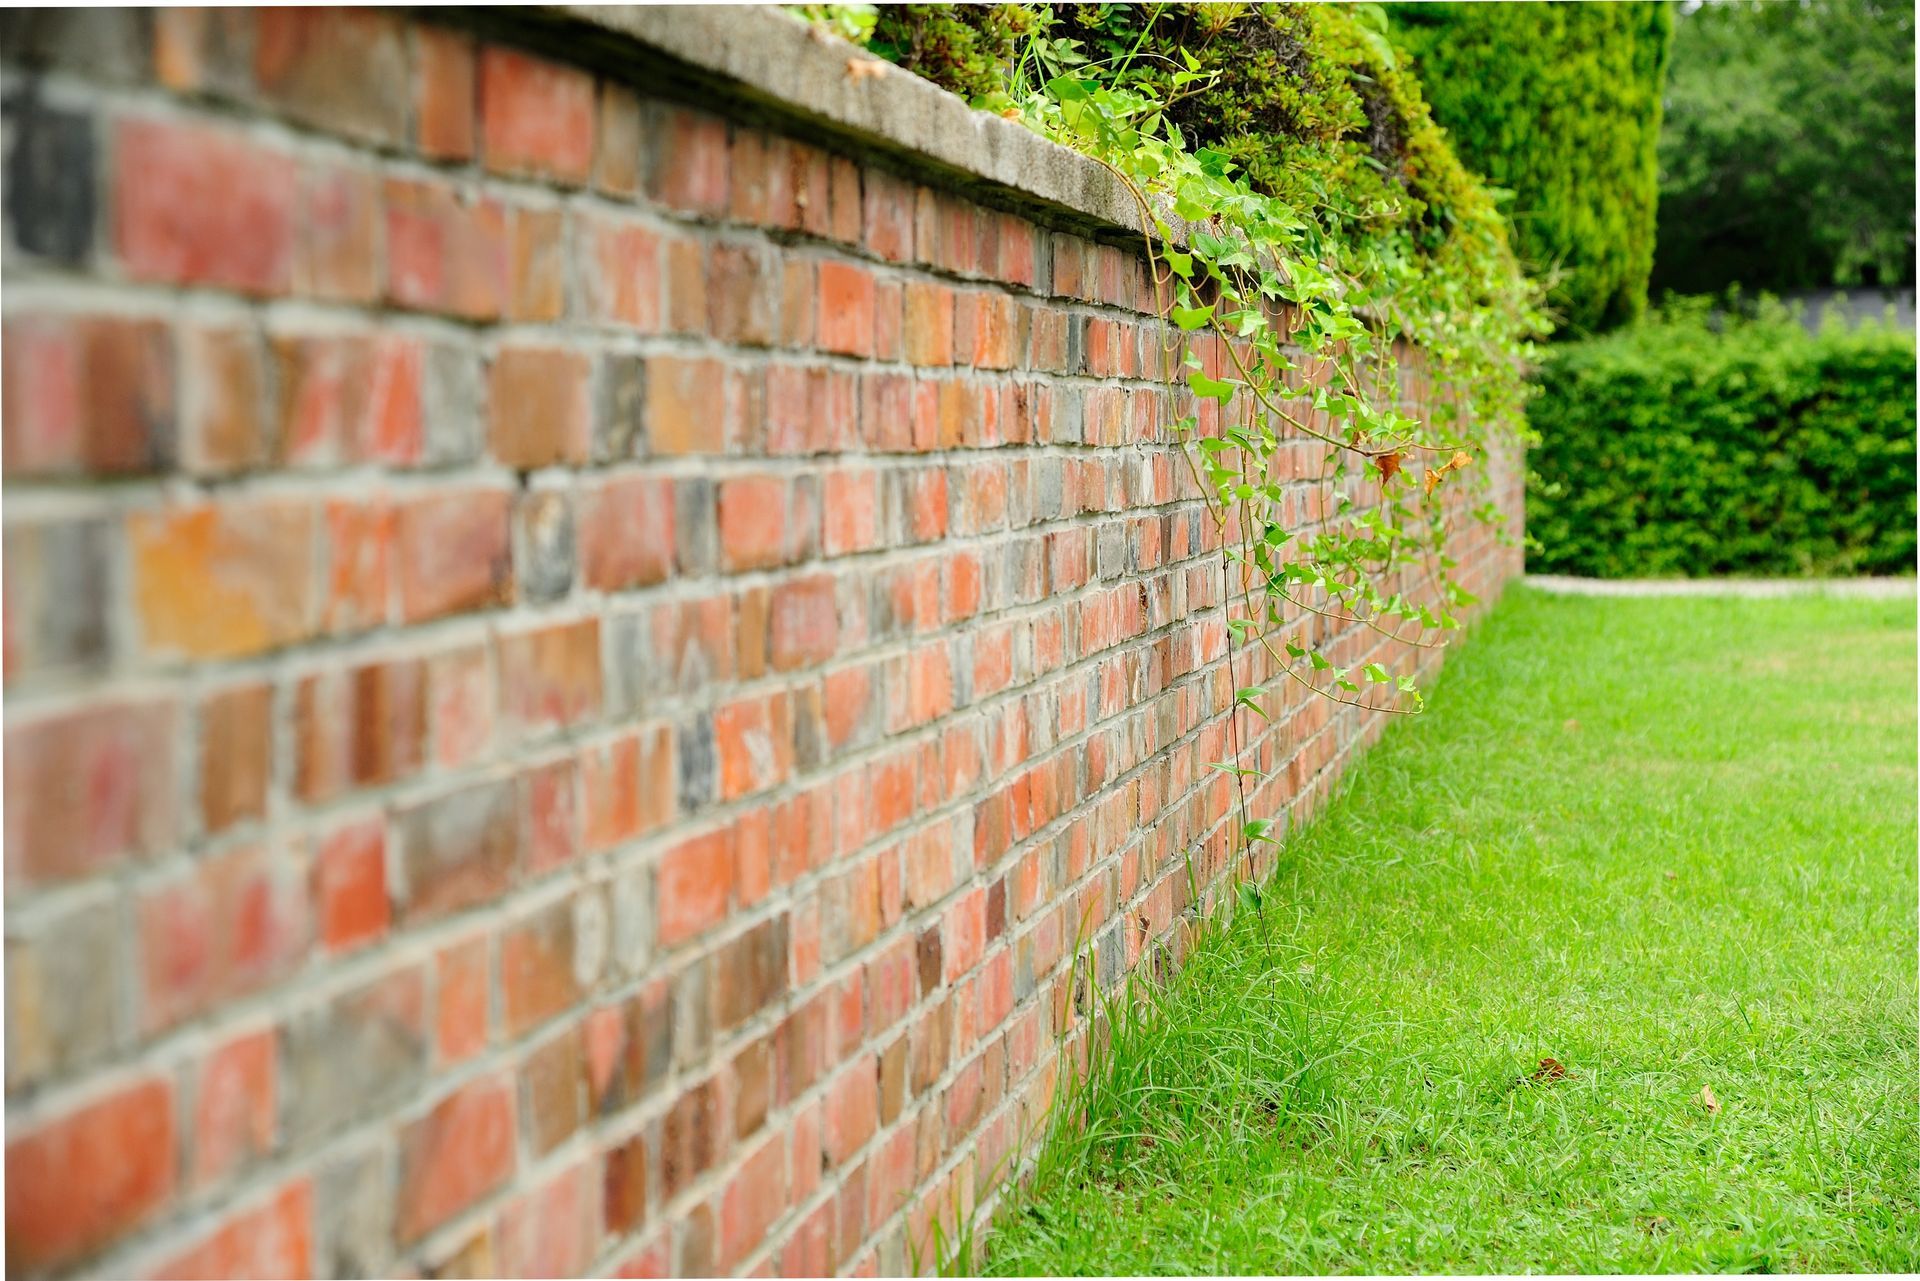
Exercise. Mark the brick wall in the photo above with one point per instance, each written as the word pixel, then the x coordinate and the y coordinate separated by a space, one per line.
pixel 576 670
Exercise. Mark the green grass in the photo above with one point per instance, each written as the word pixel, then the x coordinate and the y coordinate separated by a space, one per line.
pixel 1669 843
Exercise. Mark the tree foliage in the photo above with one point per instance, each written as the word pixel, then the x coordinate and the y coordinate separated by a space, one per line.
pixel 1787 158
pixel 1725 441
pixel 1559 104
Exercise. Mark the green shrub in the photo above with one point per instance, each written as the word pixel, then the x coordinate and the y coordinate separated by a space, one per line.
pixel 1691 444
pixel 1560 104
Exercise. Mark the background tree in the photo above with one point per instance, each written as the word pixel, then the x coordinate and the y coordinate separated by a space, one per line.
pixel 1560 104
pixel 1787 158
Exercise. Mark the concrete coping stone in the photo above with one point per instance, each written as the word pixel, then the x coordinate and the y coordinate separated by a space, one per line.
pixel 762 64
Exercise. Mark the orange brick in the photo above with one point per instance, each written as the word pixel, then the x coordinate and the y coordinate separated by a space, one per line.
pixel 754 522
pixel 845 319
pixel 537 972
pixel 119 1149
pixel 454 1155
pixel 540 407
pixel 224 581
pixel 538 265
pixel 754 740
pixel 694 883
pixel 350 884
pixel 850 507
pixel 536 117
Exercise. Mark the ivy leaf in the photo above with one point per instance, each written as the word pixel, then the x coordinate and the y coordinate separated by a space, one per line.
pixel 1210 388
pixel 1191 318
pixel 1376 673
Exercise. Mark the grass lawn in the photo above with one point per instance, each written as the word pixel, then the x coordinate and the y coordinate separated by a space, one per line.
pixel 1669 844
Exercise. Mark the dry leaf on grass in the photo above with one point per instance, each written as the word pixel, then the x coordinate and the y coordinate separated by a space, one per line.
pixel 1706 1097
pixel 1550 1070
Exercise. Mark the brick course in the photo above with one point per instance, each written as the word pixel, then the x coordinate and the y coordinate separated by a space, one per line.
pixel 577 670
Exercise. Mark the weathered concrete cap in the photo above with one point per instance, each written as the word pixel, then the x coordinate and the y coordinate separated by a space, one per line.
pixel 777 66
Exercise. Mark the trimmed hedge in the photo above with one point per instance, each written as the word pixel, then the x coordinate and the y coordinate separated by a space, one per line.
pixel 1690 445
pixel 1560 103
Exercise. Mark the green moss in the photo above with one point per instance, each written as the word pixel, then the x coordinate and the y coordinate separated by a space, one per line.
pixel 1560 104
pixel 965 48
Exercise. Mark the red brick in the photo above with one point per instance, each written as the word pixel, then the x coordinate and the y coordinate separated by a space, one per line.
pixel 87 788
pixel 806 622
pixel 223 424
pixel 460 1022
pixel 359 565
pixel 118 1149
pixel 454 1155
pixel 236 755
pixel 694 883
pixel 460 699
pixel 616 164
pixel 443 93
pixel 337 250
pixel 627 532
pixel 550 677
pixel 350 884
pixel 229 925
pixel 687 285
pixel 619 270
pixel 844 322
pixel 459 848
pixel 225 581
pixel 273 1239
pixel 853 1109
pixel 755 529
pixel 696 405
pixel 850 506
pixel 445 252
pixel 753 738
pixel 359 727
pixel 550 798
pixel 691 172
pixel 742 290
pixel 349 399
pixel 888 216
pixel 233 1108
pixel 550 1232
pixel 610 792
pixel 540 408
pixel 536 117
pixel 455 553
pixel 624 1191
pixel 690 1137
pixel 344 70
pixel 755 1197
pixel 203 205
pixel 93 394
pixel 537 264
pixel 537 978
